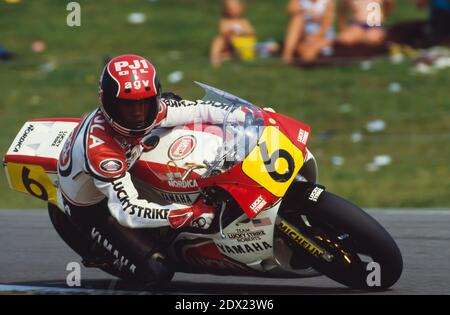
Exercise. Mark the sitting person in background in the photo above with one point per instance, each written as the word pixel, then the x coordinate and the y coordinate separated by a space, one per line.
pixel 439 20
pixel 363 27
pixel 310 31
pixel 234 32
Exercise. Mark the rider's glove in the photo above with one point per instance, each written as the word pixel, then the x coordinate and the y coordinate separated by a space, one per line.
pixel 197 216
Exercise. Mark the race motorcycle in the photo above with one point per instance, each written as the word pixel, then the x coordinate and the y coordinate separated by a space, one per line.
pixel 273 219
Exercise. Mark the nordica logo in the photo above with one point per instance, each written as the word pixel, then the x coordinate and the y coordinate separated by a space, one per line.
pixel 315 194
pixel 189 183
pixel 23 137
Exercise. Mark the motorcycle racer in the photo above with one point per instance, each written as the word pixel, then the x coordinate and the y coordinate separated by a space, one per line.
pixel 95 186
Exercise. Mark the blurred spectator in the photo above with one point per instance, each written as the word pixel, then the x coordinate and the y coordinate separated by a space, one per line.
pixel 5 54
pixel 439 20
pixel 236 34
pixel 310 31
pixel 424 34
pixel 355 30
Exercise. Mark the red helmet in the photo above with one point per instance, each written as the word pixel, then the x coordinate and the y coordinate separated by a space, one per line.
pixel 130 95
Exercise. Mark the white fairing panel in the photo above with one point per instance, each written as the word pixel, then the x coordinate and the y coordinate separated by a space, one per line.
pixel 251 243
pixel 205 146
pixel 41 139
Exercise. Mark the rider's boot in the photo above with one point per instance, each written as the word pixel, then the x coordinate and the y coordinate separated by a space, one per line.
pixel 157 270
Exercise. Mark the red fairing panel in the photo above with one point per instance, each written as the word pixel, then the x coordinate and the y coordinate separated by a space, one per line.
pixel 251 196
pixel 296 131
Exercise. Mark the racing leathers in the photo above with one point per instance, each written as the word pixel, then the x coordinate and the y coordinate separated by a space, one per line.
pixel 100 200
pixel 95 164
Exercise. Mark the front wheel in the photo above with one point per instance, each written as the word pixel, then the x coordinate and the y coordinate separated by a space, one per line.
pixel 341 241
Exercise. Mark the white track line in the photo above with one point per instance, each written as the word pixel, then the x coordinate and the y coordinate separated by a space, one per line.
pixel 56 290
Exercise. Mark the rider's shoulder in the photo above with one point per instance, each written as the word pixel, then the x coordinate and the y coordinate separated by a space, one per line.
pixel 105 156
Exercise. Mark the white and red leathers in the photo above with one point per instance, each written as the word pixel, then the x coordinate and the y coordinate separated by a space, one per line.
pixel 95 164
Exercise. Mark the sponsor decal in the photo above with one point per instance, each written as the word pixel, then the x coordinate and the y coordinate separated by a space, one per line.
pixel 258 204
pixel 315 194
pixel 261 222
pixel 185 103
pixel 123 67
pixel 246 235
pixel 96 141
pixel 59 138
pixel 64 157
pixel 121 261
pixel 139 211
pixel 111 165
pixel 187 183
pixel 182 147
pixel 222 106
pixel 97 122
pixel 303 136
pixel 137 85
pixel 300 239
pixel 244 248
pixel 22 138
pixel 186 199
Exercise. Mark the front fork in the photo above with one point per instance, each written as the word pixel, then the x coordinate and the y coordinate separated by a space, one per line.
pixel 309 171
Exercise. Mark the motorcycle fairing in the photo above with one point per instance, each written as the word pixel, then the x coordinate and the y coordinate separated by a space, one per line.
pixel 32 158
pixel 265 174
pixel 274 162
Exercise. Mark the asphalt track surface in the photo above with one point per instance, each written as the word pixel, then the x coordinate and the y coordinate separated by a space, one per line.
pixel 32 257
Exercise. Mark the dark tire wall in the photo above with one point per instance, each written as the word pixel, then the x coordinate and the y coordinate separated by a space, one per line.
pixel 366 236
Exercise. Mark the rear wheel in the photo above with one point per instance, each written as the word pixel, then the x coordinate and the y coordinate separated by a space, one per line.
pixel 343 242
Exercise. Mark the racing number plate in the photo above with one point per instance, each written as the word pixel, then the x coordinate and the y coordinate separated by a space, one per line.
pixel 274 162
pixel 33 180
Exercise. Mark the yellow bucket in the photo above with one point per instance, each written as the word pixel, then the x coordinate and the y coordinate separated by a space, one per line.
pixel 245 47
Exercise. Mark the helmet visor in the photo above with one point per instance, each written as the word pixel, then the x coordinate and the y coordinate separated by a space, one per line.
pixel 136 114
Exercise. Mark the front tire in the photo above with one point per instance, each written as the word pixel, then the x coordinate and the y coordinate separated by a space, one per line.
pixel 350 235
